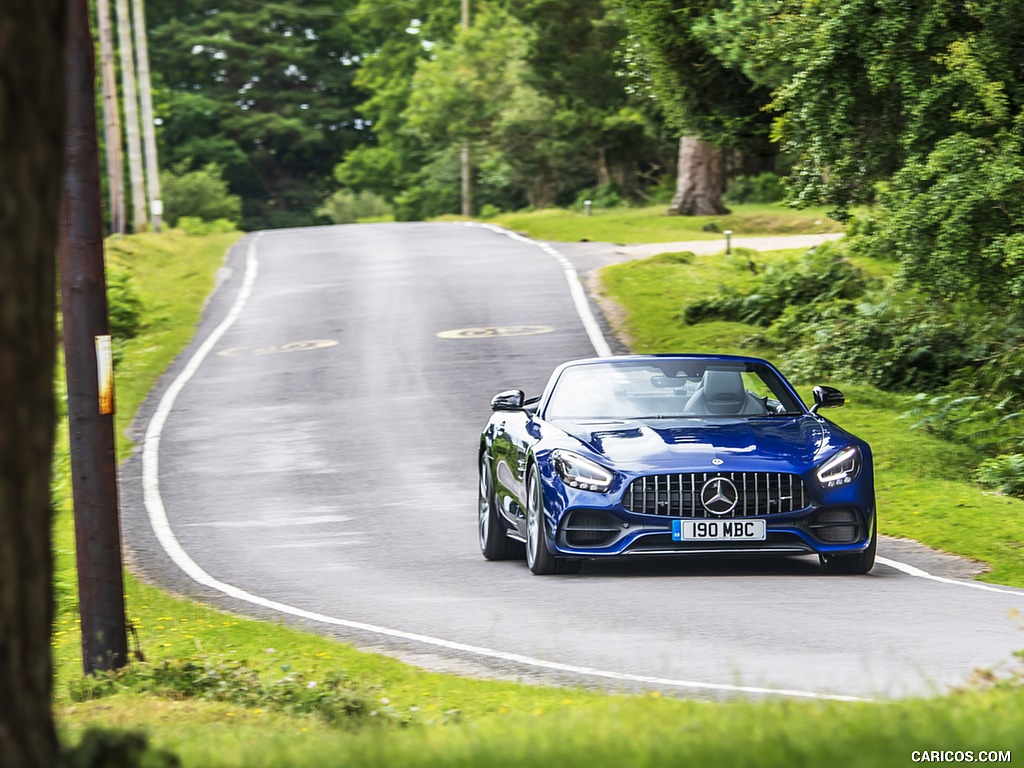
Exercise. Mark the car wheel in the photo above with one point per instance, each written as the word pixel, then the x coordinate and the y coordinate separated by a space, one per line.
pixel 494 544
pixel 862 562
pixel 538 556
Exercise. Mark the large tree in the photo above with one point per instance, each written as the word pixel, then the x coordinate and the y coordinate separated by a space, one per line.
pixel 712 105
pixel 532 85
pixel 32 111
pixel 265 91
pixel 918 106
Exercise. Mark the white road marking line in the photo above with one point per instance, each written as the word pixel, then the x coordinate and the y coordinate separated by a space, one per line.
pixel 282 522
pixel 579 296
pixel 911 570
pixel 165 536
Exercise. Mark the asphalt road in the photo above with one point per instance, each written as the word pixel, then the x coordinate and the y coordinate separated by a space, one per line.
pixel 312 457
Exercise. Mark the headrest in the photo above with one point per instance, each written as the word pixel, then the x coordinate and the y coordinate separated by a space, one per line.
pixel 724 389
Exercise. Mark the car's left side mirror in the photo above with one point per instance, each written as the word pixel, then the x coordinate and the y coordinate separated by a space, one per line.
pixel 827 397
pixel 509 400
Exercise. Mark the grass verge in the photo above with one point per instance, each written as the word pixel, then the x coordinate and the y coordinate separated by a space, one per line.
pixel 649 224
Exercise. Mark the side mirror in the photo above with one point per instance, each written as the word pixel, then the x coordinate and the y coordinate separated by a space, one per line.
pixel 509 400
pixel 827 397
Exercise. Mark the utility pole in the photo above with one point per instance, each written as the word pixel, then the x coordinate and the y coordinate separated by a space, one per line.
pixel 89 367
pixel 111 119
pixel 467 168
pixel 156 208
pixel 140 219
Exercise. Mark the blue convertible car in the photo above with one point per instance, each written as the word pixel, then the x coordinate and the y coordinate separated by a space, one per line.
pixel 672 455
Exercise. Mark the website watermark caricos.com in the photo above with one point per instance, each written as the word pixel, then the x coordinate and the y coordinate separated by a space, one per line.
pixel 960 756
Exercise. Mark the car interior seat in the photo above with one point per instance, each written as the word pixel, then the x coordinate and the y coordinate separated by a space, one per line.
pixel 722 394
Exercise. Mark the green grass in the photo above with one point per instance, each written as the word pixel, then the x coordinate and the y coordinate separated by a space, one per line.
pixel 921 482
pixel 424 718
pixel 650 224
pixel 611 733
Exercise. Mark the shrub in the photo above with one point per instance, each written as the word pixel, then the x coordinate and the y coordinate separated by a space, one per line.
pixel 763 188
pixel 192 225
pixel 201 193
pixel 348 207
pixel 821 275
pixel 1003 473
pixel 892 342
pixel 604 196
pixel 124 307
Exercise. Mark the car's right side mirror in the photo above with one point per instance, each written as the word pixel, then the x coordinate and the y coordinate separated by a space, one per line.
pixel 509 400
pixel 827 397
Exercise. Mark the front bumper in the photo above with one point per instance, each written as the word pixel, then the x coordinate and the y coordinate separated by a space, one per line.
pixel 593 525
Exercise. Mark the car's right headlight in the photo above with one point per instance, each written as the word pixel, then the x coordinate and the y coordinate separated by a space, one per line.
pixel 841 469
pixel 578 472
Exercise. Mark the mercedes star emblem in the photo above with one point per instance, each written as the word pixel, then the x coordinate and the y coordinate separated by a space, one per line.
pixel 719 496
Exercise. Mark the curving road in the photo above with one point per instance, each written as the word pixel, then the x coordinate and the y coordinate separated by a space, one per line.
pixel 312 456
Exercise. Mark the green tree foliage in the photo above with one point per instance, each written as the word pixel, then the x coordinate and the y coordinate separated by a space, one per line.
pixel 924 99
pixel 701 92
pixel 532 85
pixel 265 90
pixel 201 194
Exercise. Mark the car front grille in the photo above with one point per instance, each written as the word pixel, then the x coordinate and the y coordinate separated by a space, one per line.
pixel 679 495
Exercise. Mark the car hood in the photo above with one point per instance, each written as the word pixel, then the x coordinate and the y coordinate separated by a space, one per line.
pixel 741 444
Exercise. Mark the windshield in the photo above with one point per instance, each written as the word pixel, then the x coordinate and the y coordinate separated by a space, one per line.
pixel 669 389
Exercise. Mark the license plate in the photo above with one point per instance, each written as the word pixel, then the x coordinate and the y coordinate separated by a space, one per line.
pixel 718 530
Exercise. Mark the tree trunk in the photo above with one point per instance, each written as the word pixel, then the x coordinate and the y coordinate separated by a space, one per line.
pixel 140 219
pixel 699 180
pixel 111 119
pixel 146 105
pixel 32 108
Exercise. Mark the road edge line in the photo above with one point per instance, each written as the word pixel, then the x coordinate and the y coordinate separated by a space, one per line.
pixel 572 277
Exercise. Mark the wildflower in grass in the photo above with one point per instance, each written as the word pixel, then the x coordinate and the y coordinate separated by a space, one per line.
pixel 311 684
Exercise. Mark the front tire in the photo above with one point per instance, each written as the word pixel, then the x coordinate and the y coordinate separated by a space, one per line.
pixel 494 544
pixel 538 556
pixel 860 563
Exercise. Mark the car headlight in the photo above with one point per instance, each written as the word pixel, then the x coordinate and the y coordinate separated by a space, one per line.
pixel 841 469
pixel 578 472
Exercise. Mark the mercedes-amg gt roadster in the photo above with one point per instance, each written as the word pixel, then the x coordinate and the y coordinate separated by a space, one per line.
pixel 672 455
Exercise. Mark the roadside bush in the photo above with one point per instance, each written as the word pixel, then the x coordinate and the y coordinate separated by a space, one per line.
pixel 763 188
pixel 893 342
pixel 201 193
pixel 193 225
pixel 821 275
pixel 604 196
pixel 348 207
pixel 1003 473
pixel 124 306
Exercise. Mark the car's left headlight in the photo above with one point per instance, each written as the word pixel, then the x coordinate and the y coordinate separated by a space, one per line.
pixel 578 472
pixel 840 469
